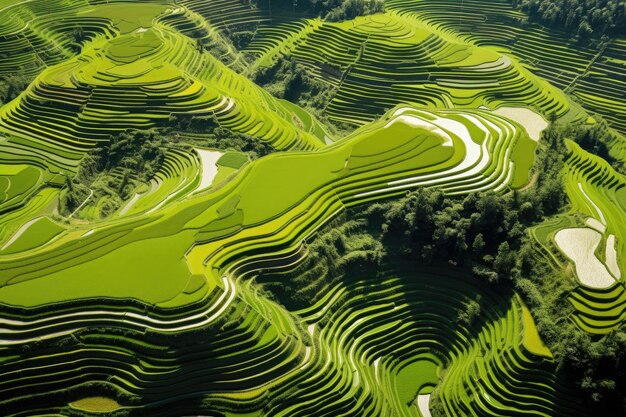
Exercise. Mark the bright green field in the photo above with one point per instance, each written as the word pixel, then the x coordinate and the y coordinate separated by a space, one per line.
pixel 157 308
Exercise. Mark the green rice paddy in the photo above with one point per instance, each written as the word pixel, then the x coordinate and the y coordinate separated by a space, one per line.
pixel 156 309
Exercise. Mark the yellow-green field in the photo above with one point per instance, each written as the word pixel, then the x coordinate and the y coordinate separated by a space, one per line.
pixel 158 307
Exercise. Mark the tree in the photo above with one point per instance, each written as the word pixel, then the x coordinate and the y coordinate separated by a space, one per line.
pixel 553 116
pixel 12 86
pixel 123 184
pixel 68 183
pixel 504 263
pixel 584 30
pixel 478 244
pixel 585 18
pixel 552 196
pixel 470 311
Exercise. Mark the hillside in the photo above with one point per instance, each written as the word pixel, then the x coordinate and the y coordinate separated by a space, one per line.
pixel 324 208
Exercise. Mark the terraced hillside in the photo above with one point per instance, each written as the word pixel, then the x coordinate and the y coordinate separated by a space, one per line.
pixel 384 58
pixel 178 240
pixel 377 61
pixel 548 53
pixel 596 192
pixel 156 72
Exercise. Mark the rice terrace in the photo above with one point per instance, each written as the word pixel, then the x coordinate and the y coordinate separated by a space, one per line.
pixel 411 208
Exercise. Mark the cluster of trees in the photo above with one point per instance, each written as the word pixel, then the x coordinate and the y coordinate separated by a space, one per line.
pixel 484 232
pixel 131 158
pixel 114 170
pixel 240 37
pixel 596 139
pixel 584 18
pixel 220 44
pixel 343 248
pixel 481 232
pixel 207 132
pixel 289 80
pixel 79 36
pixel 333 10
pixel 12 86
pixel 349 9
